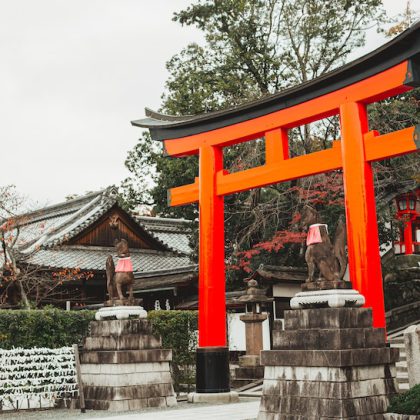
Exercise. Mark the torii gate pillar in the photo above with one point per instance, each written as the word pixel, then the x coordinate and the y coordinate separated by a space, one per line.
pixel 362 227
pixel 212 354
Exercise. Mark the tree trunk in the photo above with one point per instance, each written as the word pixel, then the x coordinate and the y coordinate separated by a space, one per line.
pixel 23 297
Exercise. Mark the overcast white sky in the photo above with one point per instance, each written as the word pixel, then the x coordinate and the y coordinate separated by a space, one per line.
pixel 73 74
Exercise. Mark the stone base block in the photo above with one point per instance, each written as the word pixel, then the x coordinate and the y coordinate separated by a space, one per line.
pixel 327 318
pixel 245 375
pixel 250 372
pixel 249 360
pixel 328 363
pixel 338 358
pixel 297 417
pixel 213 398
pixel 124 302
pixel 116 328
pixel 329 339
pixel 133 392
pixel 127 379
pixel 325 285
pixel 126 356
pixel 325 408
pixel 127 342
pixel 130 405
pixel 124 368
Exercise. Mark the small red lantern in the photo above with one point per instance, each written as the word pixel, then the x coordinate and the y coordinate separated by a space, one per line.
pixel 407 211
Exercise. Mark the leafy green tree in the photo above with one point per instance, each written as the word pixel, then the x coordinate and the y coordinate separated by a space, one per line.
pixel 252 48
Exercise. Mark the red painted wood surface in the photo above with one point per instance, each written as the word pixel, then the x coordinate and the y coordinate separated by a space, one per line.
pixel 362 228
pixel 408 237
pixel 211 283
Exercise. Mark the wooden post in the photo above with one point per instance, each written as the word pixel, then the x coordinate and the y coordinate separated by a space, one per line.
pixel 79 378
pixel 362 228
pixel 211 283
pixel 408 237
pixel 276 146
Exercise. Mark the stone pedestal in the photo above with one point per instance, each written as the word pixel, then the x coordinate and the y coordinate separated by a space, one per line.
pixel 120 312
pixel 250 368
pixel 328 363
pixel 253 332
pixel 334 298
pixel 123 367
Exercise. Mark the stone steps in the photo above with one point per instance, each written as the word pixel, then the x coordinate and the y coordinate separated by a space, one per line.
pixel 402 373
pixel 240 382
pixel 244 375
pixel 124 342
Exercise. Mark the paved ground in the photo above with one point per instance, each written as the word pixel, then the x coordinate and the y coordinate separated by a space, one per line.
pixel 247 409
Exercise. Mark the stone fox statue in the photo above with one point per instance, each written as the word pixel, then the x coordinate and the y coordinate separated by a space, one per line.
pixel 329 259
pixel 122 275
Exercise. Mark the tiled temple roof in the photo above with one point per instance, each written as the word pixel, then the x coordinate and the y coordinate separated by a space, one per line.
pixel 44 234
pixel 93 258
pixel 172 232
pixel 54 225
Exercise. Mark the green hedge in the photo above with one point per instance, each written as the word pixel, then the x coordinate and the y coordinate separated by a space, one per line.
pixel 177 329
pixel 43 328
pixel 57 328
pixel 406 403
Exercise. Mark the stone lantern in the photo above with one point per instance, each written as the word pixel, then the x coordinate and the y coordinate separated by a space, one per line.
pixel 254 299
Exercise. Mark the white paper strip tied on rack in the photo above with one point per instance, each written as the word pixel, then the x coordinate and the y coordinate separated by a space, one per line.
pixel 34 378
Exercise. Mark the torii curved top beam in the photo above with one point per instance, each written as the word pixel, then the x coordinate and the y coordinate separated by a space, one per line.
pixel 403 48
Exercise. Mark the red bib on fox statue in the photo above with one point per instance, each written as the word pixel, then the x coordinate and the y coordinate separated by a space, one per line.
pixel 124 265
pixel 122 274
pixel 314 234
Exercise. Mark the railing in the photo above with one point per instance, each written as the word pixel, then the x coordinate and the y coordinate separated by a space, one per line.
pixel 399 247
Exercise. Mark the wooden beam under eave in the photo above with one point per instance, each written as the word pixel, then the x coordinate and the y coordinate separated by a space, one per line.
pixel 393 144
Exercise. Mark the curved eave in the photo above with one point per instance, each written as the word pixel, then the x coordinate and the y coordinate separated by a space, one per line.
pixel 404 47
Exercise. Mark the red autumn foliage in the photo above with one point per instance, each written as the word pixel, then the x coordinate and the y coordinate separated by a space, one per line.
pixel 319 191
pixel 71 274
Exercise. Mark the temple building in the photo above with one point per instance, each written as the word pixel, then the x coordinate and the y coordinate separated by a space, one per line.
pixel 76 236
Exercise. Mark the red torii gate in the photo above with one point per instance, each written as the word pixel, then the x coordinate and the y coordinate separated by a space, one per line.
pixel 390 70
